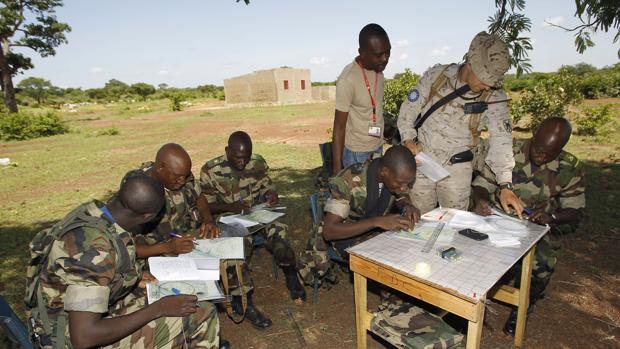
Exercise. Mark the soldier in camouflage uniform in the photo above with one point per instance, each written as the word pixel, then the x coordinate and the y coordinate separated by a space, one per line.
pixel 81 290
pixel 551 183
pixel 451 133
pixel 363 200
pixel 186 212
pixel 235 182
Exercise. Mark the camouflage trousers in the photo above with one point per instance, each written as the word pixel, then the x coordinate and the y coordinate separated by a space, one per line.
pixel 199 330
pixel 277 243
pixel 543 267
pixel 452 191
pixel 408 326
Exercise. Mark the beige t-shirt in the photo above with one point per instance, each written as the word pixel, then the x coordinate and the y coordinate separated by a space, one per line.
pixel 352 97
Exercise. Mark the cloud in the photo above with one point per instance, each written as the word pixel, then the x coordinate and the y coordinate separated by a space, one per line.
pixel 558 20
pixel 402 43
pixel 403 56
pixel 96 70
pixel 320 61
pixel 162 72
pixel 441 52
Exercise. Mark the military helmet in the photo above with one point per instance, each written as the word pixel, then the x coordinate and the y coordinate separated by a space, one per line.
pixel 488 57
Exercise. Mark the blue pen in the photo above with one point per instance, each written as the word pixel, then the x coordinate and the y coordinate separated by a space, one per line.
pixel 173 234
pixel 527 211
pixel 176 291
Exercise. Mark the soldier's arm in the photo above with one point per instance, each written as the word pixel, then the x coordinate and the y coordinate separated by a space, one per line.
pixel 572 196
pixel 90 329
pixel 173 246
pixel 344 100
pixel 482 187
pixel 411 108
pixel 500 157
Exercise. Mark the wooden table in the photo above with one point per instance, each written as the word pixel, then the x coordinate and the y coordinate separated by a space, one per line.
pixel 449 299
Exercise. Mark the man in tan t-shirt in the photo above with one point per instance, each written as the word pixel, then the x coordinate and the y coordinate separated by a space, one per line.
pixel 358 121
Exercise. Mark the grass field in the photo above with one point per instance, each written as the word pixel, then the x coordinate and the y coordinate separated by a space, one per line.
pixel 52 175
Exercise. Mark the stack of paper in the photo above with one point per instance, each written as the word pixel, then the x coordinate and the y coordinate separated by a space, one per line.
pixel 504 240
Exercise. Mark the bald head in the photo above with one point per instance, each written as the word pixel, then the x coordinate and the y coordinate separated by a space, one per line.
pixel 172 166
pixel 549 140
pixel 142 195
pixel 239 150
pixel 397 169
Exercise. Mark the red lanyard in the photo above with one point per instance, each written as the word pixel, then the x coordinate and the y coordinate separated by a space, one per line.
pixel 373 101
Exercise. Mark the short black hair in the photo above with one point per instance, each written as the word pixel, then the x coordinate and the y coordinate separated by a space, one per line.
pixel 238 139
pixel 369 31
pixel 399 159
pixel 142 194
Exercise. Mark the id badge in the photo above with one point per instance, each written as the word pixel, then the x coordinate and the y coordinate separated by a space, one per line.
pixel 374 130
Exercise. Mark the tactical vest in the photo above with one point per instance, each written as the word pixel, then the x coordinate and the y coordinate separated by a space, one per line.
pixel 86 215
pixel 474 119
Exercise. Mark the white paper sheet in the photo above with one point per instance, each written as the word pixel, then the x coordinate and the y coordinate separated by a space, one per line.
pixel 204 290
pixel 431 168
pixel 220 248
pixel 179 269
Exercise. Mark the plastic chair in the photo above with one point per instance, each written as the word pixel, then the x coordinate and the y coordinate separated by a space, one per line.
pixel 13 326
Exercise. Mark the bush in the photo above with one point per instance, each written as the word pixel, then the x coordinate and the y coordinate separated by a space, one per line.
pixel 396 90
pixel 175 102
pixel 594 121
pixel 549 97
pixel 21 126
pixel 110 131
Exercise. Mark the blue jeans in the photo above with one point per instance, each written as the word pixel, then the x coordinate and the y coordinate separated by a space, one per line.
pixel 354 157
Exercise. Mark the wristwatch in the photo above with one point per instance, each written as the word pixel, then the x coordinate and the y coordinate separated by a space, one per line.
pixel 506 185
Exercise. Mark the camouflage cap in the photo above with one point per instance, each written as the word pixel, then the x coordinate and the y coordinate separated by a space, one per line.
pixel 488 56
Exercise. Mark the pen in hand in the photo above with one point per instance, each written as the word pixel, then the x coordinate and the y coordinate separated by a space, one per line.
pixel 173 234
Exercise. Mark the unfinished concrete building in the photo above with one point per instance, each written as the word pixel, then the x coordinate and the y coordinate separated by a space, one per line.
pixel 324 93
pixel 273 86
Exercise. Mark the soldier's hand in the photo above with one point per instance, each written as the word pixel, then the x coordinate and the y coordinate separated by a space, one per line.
pixel 183 244
pixel 393 222
pixel 482 207
pixel 271 197
pixel 181 305
pixel 412 213
pixel 146 278
pixel 208 230
pixel 511 202
pixel 541 217
pixel 239 207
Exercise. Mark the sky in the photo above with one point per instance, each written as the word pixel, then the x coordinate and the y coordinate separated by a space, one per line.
pixel 186 43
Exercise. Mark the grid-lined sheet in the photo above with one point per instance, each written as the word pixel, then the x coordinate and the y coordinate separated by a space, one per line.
pixel 481 266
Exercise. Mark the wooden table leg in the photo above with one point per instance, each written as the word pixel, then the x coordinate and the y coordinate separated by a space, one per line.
pixel 474 329
pixel 361 308
pixel 524 295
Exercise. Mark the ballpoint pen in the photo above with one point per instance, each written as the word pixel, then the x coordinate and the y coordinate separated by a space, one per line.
pixel 173 234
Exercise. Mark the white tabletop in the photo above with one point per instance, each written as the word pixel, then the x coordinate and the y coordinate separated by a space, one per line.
pixel 481 266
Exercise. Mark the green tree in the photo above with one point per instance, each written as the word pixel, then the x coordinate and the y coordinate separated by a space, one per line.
pixel 396 90
pixel 142 89
pixel 36 88
pixel 115 89
pixel 31 24
pixel 511 24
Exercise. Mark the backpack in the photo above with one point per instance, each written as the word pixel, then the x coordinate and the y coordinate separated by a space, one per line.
pixel 87 215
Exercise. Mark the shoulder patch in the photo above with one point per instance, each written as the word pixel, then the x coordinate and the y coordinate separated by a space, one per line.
pixel 413 95
pixel 214 162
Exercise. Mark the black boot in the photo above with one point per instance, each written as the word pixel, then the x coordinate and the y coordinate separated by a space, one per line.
pixel 224 344
pixel 252 314
pixel 511 324
pixel 296 289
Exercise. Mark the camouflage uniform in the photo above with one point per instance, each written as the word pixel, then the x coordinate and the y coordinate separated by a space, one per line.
pixel 552 186
pixel 399 322
pixel 95 270
pixel 449 131
pixel 220 183
pixel 348 200
pixel 180 215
